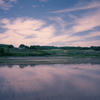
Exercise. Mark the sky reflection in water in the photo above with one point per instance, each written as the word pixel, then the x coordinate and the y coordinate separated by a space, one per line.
pixel 50 82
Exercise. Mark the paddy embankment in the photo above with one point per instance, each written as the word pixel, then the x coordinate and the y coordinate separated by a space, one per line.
pixel 48 60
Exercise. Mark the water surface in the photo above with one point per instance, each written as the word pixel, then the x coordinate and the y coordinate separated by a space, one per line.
pixel 50 82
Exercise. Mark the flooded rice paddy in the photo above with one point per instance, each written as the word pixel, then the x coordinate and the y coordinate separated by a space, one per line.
pixel 50 82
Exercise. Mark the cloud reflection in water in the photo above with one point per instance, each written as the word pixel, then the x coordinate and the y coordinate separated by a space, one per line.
pixel 50 82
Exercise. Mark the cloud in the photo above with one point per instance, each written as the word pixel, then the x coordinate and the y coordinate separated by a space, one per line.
pixel 35 6
pixel 81 7
pixel 18 31
pixel 86 40
pixel 6 5
pixel 44 35
pixel 22 23
pixel 13 1
pixel 87 22
pixel 92 34
pixel 59 20
pixel 59 32
pixel 32 31
pixel 43 0
pixel 86 43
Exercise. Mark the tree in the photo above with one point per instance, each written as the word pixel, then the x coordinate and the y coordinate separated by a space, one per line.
pixel 1 50
pixel 22 46
pixel 10 46
pixel 33 47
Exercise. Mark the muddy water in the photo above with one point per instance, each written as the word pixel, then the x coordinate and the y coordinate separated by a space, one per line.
pixel 50 82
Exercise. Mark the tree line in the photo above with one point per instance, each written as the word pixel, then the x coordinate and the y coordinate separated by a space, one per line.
pixel 9 50
pixel 38 47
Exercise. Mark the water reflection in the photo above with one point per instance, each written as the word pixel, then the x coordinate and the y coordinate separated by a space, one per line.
pixel 50 82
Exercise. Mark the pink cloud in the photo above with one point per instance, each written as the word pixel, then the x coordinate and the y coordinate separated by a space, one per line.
pixel 82 7
pixel 6 5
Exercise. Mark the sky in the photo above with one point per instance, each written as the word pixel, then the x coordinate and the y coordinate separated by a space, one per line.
pixel 50 22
